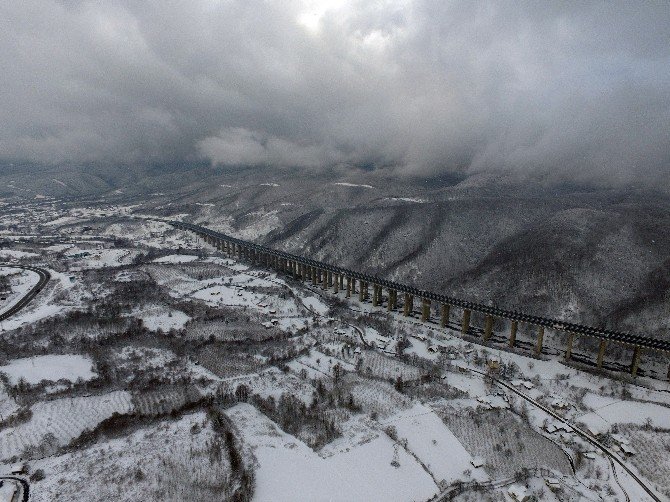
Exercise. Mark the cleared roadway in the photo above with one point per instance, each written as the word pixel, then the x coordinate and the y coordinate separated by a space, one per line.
pixel 44 277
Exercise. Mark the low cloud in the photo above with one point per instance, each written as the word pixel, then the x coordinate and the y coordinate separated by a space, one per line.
pixel 241 147
pixel 563 91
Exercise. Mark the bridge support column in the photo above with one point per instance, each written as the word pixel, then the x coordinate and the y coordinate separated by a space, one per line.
pixel 341 281
pixel 380 296
pixel 393 300
pixel 444 315
pixel 330 278
pixel 601 353
pixel 348 287
pixel 336 284
pixel 488 327
pixel 324 277
pixel 636 360
pixel 512 333
pixel 366 291
pixel 375 295
pixel 361 291
pixel 425 309
pixel 540 340
pixel 465 324
pixel 353 286
pixel 568 348
pixel 406 308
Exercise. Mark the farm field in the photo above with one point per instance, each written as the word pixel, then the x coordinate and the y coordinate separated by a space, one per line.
pixel 171 460
pixel 221 362
pixel 288 469
pixel 52 368
pixel 57 422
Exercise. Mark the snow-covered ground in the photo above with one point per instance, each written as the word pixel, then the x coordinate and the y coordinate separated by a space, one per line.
pixel 625 412
pixel 343 184
pixel 315 304
pixel 288 470
pixel 155 317
pixel 61 420
pixel 8 405
pixel 22 281
pixel 15 253
pixel 170 460
pixel 44 305
pixel 435 445
pixel 176 258
pixel 50 367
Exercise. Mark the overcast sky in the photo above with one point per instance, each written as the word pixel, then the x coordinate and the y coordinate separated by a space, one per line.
pixel 566 90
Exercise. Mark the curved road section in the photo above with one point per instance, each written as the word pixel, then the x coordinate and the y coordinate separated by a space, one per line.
pixel 606 451
pixel 25 487
pixel 44 277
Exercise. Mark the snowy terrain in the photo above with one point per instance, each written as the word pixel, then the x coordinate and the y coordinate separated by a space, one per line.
pixel 52 368
pixel 142 345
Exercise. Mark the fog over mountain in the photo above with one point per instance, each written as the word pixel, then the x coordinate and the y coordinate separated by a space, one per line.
pixel 566 91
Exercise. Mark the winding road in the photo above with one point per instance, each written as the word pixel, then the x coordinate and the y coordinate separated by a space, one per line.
pixel 612 457
pixel 25 487
pixel 44 275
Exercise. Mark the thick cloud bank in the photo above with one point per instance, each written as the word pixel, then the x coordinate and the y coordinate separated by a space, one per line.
pixel 563 90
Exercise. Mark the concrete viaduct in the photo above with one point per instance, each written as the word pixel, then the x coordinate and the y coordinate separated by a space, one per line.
pixel 369 286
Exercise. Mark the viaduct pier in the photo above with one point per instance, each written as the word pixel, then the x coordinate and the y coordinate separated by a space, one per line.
pixel 369 287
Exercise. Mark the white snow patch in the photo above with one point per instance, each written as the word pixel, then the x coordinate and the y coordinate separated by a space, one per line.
pixel 156 317
pixel 407 199
pixel 51 367
pixel 176 258
pixel 315 304
pixel 15 253
pixel 353 185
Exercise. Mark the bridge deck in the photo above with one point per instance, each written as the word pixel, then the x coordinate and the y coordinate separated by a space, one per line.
pixel 512 315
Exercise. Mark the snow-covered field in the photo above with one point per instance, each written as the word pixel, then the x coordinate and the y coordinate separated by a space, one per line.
pixel 8 405
pixel 434 444
pixel 57 422
pixel 623 412
pixel 50 367
pixel 21 281
pixel 176 258
pixel 156 317
pixel 404 427
pixel 288 470
pixel 167 461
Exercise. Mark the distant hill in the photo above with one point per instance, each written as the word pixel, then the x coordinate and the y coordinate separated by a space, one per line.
pixel 598 256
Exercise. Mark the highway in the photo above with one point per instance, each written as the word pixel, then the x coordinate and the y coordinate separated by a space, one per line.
pixel 44 277
pixel 629 339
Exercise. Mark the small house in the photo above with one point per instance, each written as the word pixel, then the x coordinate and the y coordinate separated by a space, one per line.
pixel 19 468
pixel 462 367
pixel 553 484
pixel 518 493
